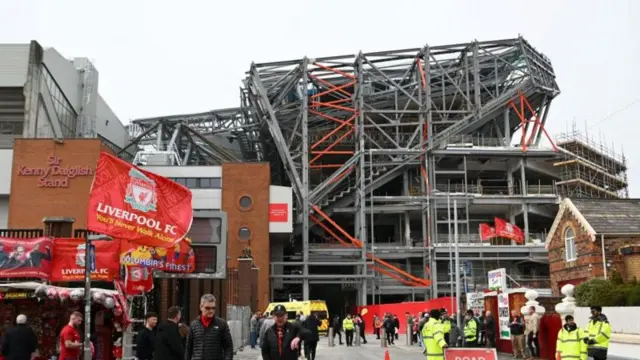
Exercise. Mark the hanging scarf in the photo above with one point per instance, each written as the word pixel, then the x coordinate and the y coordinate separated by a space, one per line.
pixel 280 332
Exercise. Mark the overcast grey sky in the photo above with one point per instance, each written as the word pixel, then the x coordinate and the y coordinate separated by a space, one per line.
pixel 159 57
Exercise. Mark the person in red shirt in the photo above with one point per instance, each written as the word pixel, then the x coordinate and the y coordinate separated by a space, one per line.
pixel 70 344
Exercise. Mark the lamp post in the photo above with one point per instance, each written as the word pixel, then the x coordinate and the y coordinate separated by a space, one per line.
pixel 88 257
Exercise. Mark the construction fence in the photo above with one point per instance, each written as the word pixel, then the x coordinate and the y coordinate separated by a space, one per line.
pixel 239 319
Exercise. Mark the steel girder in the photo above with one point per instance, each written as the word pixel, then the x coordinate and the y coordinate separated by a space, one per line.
pixel 195 137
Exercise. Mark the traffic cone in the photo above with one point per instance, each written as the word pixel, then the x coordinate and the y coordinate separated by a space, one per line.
pixel 386 355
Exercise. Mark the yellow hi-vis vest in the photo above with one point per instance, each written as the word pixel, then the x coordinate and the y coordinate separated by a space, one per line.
pixel 433 340
pixel 471 330
pixel 446 325
pixel 599 330
pixel 347 324
pixel 570 344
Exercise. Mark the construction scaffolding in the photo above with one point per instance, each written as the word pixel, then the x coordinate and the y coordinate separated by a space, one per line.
pixel 589 168
pixel 346 128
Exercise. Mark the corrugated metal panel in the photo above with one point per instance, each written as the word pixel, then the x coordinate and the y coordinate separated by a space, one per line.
pixel 14 61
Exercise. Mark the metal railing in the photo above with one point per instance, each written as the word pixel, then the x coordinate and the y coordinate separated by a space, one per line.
pixel 239 320
pixel 474 239
pixel 492 190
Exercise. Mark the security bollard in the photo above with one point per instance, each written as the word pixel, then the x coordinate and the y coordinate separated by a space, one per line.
pixel 383 337
pixel 357 335
pixel 409 333
pixel 331 337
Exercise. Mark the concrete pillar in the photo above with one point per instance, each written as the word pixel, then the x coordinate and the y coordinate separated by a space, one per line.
pixel 568 304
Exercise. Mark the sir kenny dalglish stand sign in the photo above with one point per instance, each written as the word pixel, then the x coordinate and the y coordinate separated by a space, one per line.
pixel 470 354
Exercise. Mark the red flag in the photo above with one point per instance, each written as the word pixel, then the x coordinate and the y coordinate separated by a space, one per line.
pixel 508 230
pixel 487 232
pixel 138 280
pixel 132 204
pixel 69 257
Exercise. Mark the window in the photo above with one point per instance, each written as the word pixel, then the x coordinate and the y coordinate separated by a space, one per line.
pixel 245 202
pixel 206 259
pixel 244 234
pixel 570 249
pixel 192 183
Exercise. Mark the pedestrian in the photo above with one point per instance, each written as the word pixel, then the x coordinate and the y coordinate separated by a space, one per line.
pixel 146 338
pixel 517 334
pixel 70 344
pixel 266 324
pixel 282 339
pixel 423 321
pixel 470 330
pixel 569 345
pixel 445 320
pixel 337 328
pixel 168 345
pixel 209 337
pixel 253 330
pixel 598 334
pixel 389 329
pixel 377 324
pixel 311 323
pixel 434 337
pixel 531 332
pixel 490 329
pixel 396 326
pixel 361 328
pixel 349 327
pixel 20 342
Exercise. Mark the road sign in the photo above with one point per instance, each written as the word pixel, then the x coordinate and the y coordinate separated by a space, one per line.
pixel 470 354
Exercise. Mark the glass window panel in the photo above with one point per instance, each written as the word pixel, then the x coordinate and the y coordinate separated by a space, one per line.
pixel 192 183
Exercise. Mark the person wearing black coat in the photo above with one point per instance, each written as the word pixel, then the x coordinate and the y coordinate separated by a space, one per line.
pixel 19 342
pixel 168 342
pixel 209 336
pixel 282 340
pixel 311 323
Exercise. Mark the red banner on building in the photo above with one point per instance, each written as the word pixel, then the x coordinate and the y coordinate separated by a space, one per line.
pixel 138 280
pixel 507 230
pixel 178 258
pixel 26 257
pixel 69 260
pixel 487 232
pixel 469 354
pixel 132 204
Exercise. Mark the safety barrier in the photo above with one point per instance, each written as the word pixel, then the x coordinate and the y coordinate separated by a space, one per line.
pixel 239 320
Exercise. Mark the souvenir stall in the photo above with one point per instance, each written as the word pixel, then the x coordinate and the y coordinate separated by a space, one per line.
pixel 48 309
pixel 500 303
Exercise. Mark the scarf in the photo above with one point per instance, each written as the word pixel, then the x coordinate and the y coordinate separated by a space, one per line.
pixel 280 333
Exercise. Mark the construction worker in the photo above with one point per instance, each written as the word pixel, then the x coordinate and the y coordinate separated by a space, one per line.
pixel 434 337
pixel 569 345
pixel 349 327
pixel 598 334
pixel 446 324
pixel 470 330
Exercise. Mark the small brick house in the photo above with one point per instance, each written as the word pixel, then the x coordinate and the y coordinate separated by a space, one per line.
pixel 575 241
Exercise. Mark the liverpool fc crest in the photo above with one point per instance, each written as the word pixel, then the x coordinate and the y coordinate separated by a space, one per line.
pixel 141 192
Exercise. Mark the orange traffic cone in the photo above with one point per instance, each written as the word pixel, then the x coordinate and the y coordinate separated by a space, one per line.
pixel 386 355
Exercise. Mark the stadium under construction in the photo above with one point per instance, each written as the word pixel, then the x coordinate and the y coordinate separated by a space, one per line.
pixel 391 156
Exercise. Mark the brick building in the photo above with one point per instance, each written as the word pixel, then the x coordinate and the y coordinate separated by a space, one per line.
pixel 591 238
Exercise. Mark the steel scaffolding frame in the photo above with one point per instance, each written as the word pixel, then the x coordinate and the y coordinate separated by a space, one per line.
pixel 344 126
pixel 190 137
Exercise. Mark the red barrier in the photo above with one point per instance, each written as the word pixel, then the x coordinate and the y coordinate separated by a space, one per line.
pixel 399 309
pixel 550 325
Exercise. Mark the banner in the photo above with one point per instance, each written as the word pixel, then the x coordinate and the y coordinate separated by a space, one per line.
pixel 470 354
pixel 487 232
pixel 138 280
pixel 178 258
pixel 497 279
pixel 26 257
pixel 507 230
pixel 69 258
pixel 132 204
pixel 504 316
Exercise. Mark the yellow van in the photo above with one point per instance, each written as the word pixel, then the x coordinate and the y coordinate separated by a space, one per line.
pixel 317 307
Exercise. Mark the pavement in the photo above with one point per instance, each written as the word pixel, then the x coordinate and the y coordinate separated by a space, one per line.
pixel 370 351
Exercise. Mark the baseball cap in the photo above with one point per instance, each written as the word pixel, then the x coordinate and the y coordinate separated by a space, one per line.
pixel 279 310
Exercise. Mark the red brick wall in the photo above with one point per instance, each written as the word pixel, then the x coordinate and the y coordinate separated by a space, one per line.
pixel 588 253
pixel 251 180
pixel 29 203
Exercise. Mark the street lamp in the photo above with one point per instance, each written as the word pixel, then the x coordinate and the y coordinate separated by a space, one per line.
pixel 88 254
